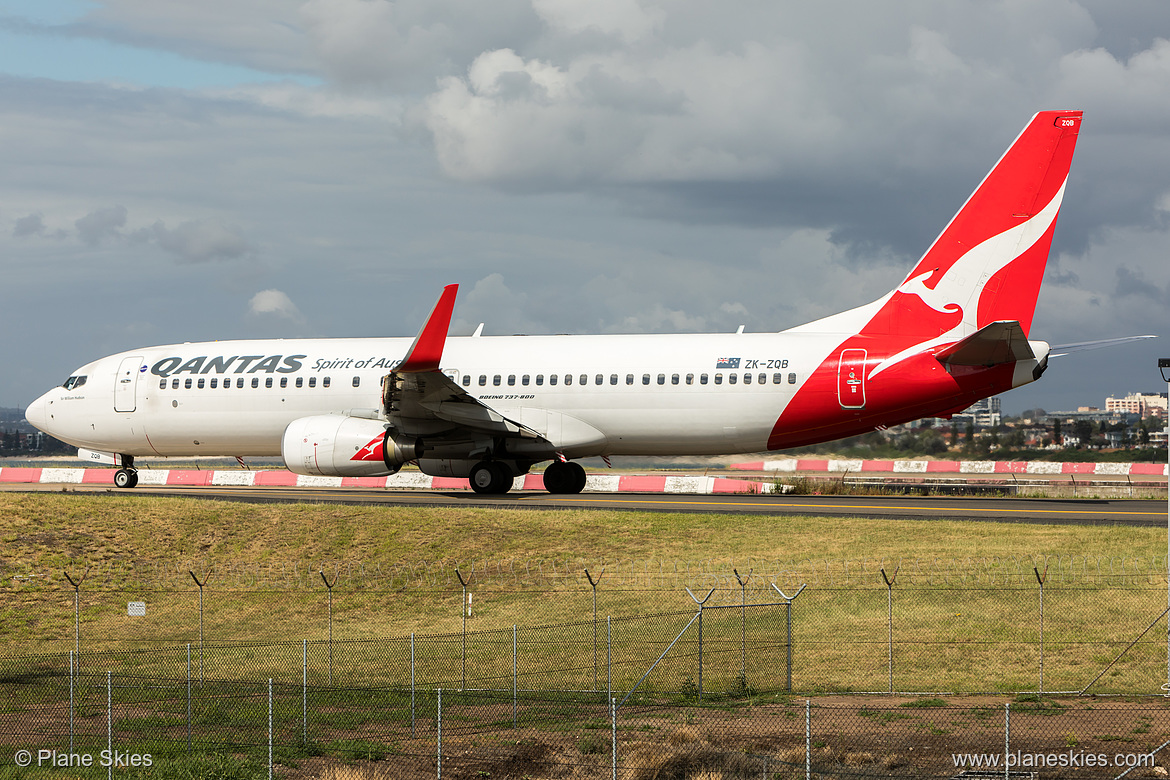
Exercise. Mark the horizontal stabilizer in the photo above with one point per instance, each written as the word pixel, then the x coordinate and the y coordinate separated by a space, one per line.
pixel 1060 350
pixel 1000 342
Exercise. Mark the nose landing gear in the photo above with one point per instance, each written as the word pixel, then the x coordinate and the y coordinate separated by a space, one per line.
pixel 127 476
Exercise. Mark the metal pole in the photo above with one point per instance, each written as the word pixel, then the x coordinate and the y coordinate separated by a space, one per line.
pixel 890 618
pixel 71 657
pixel 609 656
pixel 1007 738
pixel 513 675
pixel 200 584
pixel 304 691
pixel 807 739
pixel 593 583
pixel 110 721
pixel 76 608
pixel 1164 368
pixel 789 599
pixel 412 711
pixel 700 603
pixel 188 697
pixel 439 729
pixel 269 728
pixel 330 585
pixel 463 645
pixel 743 622
pixel 613 737
pixel 1041 581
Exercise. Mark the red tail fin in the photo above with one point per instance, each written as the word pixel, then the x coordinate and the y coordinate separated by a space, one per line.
pixel 988 262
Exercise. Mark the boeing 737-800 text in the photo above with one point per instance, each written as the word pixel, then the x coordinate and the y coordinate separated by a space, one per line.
pixel 491 408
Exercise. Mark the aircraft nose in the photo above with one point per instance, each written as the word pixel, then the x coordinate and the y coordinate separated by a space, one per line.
pixel 37 413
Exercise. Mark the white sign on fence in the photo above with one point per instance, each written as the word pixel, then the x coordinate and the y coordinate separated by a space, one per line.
pixel 136 609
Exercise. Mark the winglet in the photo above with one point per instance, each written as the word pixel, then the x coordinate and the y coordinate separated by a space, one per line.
pixel 427 350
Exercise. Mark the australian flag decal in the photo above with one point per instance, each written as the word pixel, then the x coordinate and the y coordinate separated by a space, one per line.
pixel 727 363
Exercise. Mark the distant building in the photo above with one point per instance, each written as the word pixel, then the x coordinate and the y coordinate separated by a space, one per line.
pixel 983 414
pixel 1141 404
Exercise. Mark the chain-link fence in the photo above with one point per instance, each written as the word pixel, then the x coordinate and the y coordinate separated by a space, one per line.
pixel 719 685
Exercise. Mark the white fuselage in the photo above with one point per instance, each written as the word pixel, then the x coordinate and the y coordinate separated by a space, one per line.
pixel 603 395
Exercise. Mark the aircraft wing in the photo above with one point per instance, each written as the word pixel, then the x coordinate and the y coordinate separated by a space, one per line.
pixel 420 400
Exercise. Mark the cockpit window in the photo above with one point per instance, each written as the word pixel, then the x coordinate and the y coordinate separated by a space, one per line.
pixel 74 382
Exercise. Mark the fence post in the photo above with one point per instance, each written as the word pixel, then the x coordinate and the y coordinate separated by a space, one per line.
pixel 700 603
pixel 412 711
pixel 609 656
pixel 788 603
pixel 71 701
pixel 200 584
pixel 890 619
pixel 1007 738
pixel 1041 579
pixel 439 730
pixel 269 728
pixel 807 739
pixel 304 691
pixel 76 608
pixel 463 645
pixel 743 622
pixel 188 697
pixel 613 736
pixel 110 721
pixel 330 585
pixel 513 675
pixel 594 584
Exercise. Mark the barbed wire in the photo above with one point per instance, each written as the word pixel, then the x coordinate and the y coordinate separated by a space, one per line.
pixel 568 574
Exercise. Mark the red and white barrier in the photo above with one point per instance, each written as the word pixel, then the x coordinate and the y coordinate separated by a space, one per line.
pixel 409 480
pixel 1034 467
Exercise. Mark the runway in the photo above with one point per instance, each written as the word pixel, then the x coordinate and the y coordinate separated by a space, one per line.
pixel 1004 510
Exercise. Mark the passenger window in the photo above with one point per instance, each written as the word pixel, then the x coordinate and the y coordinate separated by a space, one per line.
pixel 690 379
pixel 466 380
pixel 674 379
pixel 268 381
pixel 645 379
pixel 719 379
pixel 702 379
pixel 662 379
pixel 174 384
pixel 511 380
pixel 732 379
pixel 629 379
pixel 214 382
pixel 325 381
pixel 186 384
pixel 613 379
pixel 497 380
pixel 583 379
pixel 597 380
pixel 200 383
pixel 357 381
pixel 300 381
pixel 762 379
pixel 284 381
pixel 747 379
pixel 482 380
pixel 255 381
pixel 777 378
pixel 552 379
pixel 524 380
pixel 162 385
pixel 312 381
pixel 792 379
pixel 539 380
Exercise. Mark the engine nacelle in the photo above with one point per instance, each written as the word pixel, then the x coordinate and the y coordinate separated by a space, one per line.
pixel 333 445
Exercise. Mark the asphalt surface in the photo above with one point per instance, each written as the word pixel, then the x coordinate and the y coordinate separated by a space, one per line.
pixel 1011 510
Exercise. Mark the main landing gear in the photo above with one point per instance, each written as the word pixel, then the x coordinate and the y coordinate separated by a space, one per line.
pixel 564 477
pixel 491 477
pixel 127 476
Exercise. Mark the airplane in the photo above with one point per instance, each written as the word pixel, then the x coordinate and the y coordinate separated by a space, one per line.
pixel 490 408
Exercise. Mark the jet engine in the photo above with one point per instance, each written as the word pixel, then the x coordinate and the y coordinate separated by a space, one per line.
pixel 333 445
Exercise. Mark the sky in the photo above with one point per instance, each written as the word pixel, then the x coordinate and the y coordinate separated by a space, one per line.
pixel 214 169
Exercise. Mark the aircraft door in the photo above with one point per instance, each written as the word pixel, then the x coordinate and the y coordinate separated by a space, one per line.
pixel 851 379
pixel 126 384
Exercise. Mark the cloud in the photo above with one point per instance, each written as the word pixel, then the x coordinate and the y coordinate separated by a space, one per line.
pixel 32 225
pixel 276 304
pixel 96 226
pixel 198 241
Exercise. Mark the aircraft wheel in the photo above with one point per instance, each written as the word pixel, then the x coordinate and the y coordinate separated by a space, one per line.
pixel 578 474
pixel 490 477
pixel 125 478
pixel 564 477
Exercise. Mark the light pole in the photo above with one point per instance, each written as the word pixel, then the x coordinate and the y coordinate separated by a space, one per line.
pixel 1164 367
